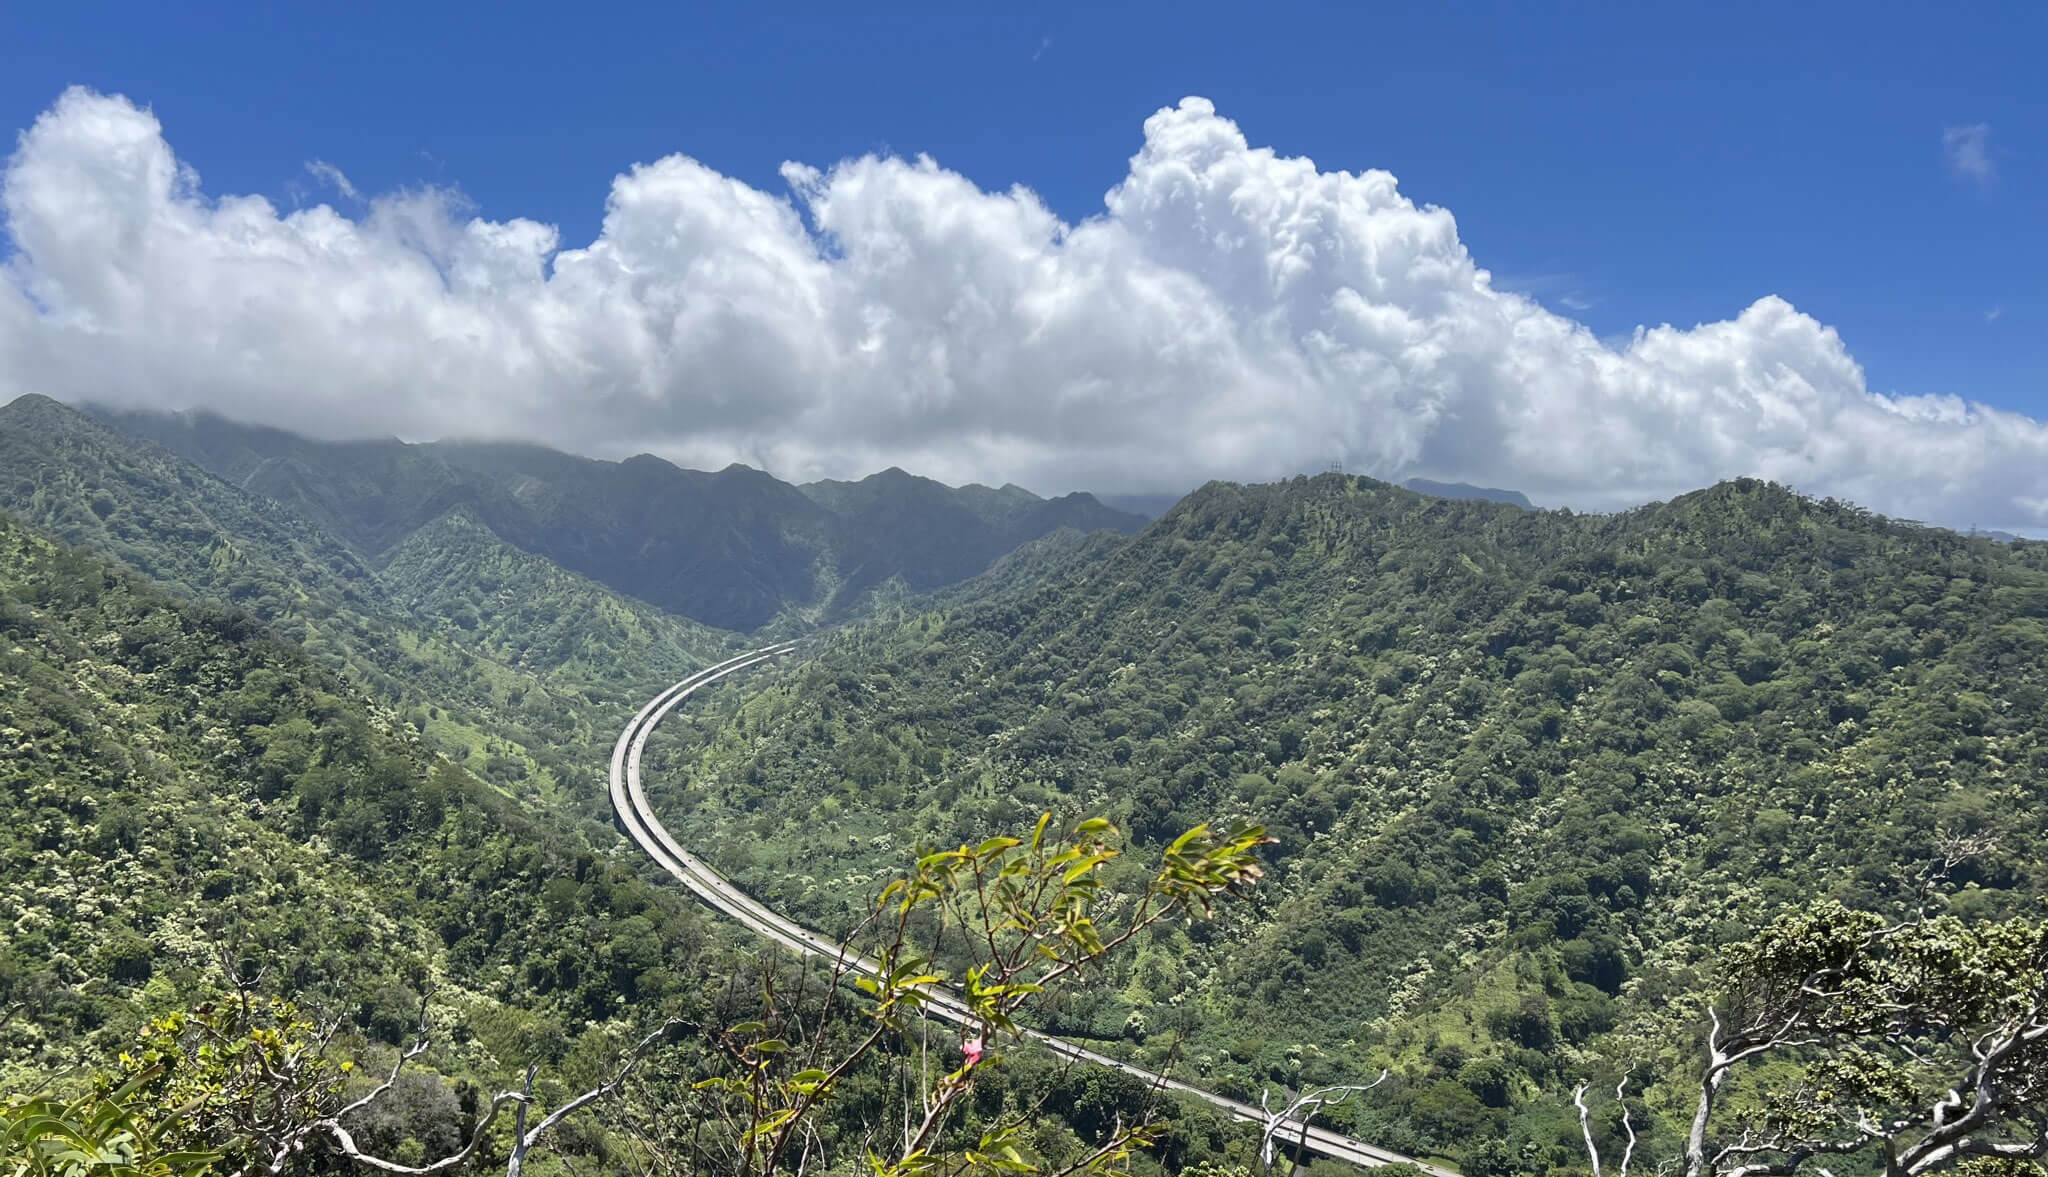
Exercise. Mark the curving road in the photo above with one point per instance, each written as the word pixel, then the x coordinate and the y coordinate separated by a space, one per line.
pixel 637 816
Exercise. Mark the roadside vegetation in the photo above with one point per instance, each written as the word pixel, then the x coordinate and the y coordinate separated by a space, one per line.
pixel 1544 789
pixel 1529 772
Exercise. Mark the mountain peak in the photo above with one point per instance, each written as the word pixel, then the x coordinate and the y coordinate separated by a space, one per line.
pixel 34 406
pixel 1465 490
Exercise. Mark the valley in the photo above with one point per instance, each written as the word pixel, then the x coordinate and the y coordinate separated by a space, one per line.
pixel 344 711
pixel 629 799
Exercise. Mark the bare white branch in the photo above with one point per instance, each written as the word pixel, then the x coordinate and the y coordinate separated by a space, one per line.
pixel 1303 1109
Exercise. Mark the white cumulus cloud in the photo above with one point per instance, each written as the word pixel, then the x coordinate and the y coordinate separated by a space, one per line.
pixel 1229 313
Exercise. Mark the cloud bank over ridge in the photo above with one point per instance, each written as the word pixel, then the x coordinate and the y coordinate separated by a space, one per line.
pixel 1230 313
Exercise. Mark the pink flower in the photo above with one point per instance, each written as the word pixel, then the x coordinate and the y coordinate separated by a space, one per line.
pixel 972 1049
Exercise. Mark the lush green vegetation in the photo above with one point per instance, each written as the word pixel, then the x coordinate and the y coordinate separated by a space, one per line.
pixel 1911 1046
pixel 1529 771
pixel 736 548
pixel 1907 1048
pixel 182 787
pixel 511 666
pixel 192 801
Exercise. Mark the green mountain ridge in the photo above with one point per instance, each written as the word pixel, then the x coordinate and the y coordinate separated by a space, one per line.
pixel 525 723
pixel 1465 490
pixel 531 613
pixel 1530 770
pixel 736 549
pixel 934 535
pixel 178 780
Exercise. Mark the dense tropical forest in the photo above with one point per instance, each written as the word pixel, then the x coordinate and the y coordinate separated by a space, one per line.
pixel 239 748
pixel 329 723
pixel 183 783
pixel 1529 771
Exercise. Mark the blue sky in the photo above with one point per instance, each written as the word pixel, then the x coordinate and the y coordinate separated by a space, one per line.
pixel 1879 167
pixel 1649 164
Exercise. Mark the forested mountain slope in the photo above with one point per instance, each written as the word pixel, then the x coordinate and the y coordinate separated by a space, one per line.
pixel 934 535
pixel 177 781
pixel 737 548
pixel 184 792
pixel 519 669
pixel 1529 769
